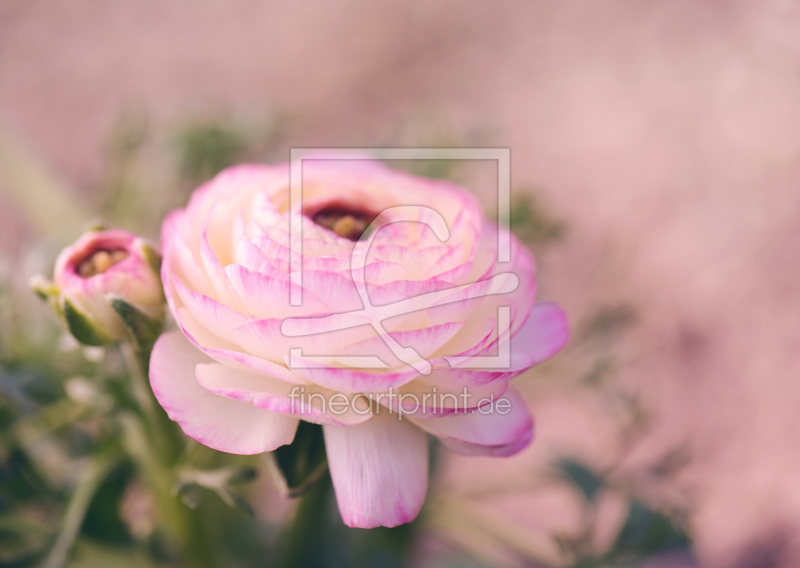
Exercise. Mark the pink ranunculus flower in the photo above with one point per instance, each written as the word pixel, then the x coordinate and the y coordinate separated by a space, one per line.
pixel 231 379
pixel 102 274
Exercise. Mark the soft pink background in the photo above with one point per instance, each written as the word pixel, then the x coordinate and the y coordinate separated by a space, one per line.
pixel 665 133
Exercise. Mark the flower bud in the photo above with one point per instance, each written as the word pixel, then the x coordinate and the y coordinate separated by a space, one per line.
pixel 106 287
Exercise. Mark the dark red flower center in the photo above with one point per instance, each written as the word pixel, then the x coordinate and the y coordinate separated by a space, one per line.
pixel 344 220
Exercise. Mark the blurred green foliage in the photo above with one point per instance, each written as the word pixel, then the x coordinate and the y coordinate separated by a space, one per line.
pixel 645 532
pixel 303 462
pixel 609 321
pixel 531 222
pixel 207 148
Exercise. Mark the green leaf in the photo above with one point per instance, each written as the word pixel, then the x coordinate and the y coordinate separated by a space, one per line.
pixel 301 463
pixel 81 327
pixel 144 328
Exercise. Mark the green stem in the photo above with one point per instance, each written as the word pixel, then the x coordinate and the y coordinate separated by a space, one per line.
pixel 90 479
pixel 155 443
pixel 162 431
pixel 300 544
pixel 181 523
pixel 135 363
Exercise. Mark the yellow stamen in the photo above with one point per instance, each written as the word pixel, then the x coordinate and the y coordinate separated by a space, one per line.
pixel 100 261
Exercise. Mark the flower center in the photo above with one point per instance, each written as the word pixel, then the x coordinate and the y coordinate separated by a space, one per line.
pixel 100 261
pixel 344 220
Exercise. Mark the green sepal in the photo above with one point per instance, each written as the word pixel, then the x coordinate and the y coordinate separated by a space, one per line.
pixel 144 328
pixel 48 291
pixel 152 257
pixel 94 226
pixel 44 288
pixel 81 327
pixel 301 464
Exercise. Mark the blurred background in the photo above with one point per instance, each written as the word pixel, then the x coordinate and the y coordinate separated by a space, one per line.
pixel 656 174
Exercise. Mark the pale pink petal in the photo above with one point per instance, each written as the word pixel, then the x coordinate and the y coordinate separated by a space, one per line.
pixel 378 272
pixel 472 338
pixel 216 317
pixel 238 232
pixel 419 262
pixel 523 298
pixel 222 351
pixel 278 255
pixel 308 402
pixel 178 257
pixel 429 400
pixel 379 470
pixel 266 339
pixel 424 341
pixel 502 428
pixel 452 265
pixel 338 262
pixel 251 257
pixel 347 379
pixel 250 363
pixel 215 421
pixel 400 290
pixel 337 292
pixel 543 334
pixel 481 300
pixel 456 275
pixel 266 296
pixel 469 378
pixel 217 276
